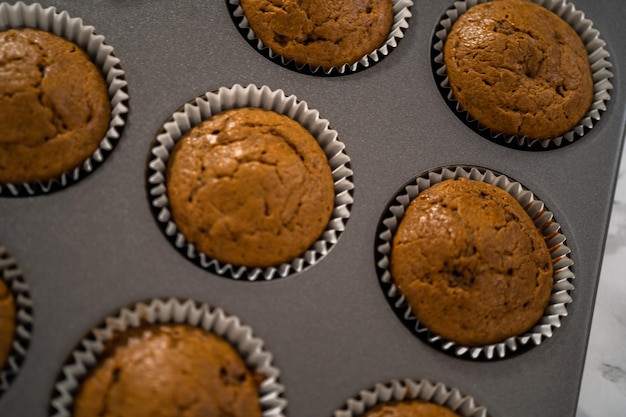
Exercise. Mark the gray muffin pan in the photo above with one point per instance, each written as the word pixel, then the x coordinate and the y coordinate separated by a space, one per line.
pixel 94 247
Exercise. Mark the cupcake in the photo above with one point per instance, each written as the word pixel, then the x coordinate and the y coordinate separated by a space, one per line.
pixel 522 73
pixel 519 69
pixel 7 322
pixel 249 183
pixel 250 187
pixel 411 398
pixel 54 106
pixel 414 408
pixel 63 100
pixel 16 319
pixel 323 36
pixel 169 358
pixel 473 264
pixel 169 370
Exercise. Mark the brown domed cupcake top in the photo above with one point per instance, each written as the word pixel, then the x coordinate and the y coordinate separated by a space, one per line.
pixel 169 370
pixel 472 265
pixel 519 69
pixel 415 408
pixel 327 33
pixel 7 322
pixel 54 106
pixel 250 187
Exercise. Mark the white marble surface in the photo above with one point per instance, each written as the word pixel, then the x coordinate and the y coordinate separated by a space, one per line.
pixel 603 391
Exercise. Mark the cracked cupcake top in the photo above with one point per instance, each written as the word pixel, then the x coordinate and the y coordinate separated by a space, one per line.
pixel 519 69
pixel 327 33
pixel 54 106
pixel 471 263
pixel 169 370
pixel 7 322
pixel 250 187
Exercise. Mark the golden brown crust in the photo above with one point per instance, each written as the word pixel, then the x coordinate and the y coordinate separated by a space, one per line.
pixel 414 408
pixel 250 187
pixel 54 106
pixel 519 69
pixel 169 371
pixel 7 322
pixel 471 263
pixel 327 33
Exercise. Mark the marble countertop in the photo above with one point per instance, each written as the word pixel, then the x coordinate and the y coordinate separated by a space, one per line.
pixel 603 390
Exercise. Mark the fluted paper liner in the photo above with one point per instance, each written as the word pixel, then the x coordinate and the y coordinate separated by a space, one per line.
pixel 598 60
pixel 408 390
pixel 11 274
pixel 543 219
pixel 401 16
pixel 72 29
pixel 238 96
pixel 173 311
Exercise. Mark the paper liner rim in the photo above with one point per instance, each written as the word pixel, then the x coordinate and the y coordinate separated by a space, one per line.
pixel 543 219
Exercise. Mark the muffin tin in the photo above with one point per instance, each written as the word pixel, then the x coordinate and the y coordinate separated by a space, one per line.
pixel 95 247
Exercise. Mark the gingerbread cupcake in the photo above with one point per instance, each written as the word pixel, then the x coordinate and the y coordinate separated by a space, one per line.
pixel 168 370
pixel 411 398
pixel 169 357
pixel 16 319
pixel 250 187
pixel 522 73
pixel 473 263
pixel 63 100
pixel 323 37
pixel 249 183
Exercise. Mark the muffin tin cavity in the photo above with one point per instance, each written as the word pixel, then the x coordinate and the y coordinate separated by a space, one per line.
pixel 598 60
pixel 85 36
pixel 88 351
pixel 543 219
pixel 238 96
pixel 400 22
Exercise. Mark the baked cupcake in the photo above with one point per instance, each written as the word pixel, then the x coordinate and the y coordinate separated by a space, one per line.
pixel 519 69
pixel 169 357
pixel 169 370
pixel 471 263
pixel 527 85
pixel 16 319
pixel 54 106
pixel 416 408
pixel 323 37
pixel 411 398
pixel 253 176
pixel 70 84
pixel 250 187
pixel 7 322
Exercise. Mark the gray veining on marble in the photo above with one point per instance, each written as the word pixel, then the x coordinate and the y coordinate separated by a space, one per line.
pixel 603 390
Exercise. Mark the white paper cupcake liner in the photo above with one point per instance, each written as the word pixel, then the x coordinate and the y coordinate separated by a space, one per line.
pixel 543 219
pixel 401 16
pixel 173 311
pixel 598 60
pixel 72 29
pixel 11 274
pixel 408 390
pixel 238 96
